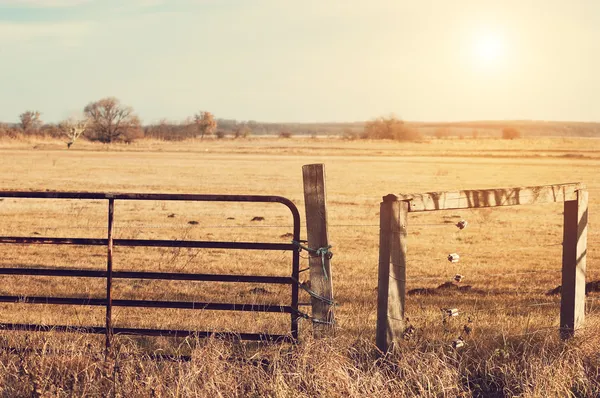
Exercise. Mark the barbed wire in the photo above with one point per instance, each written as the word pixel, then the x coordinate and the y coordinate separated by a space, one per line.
pixel 459 312
pixel 503 274
pixel 470 324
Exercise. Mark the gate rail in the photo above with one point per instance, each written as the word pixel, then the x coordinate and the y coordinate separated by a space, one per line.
pixel 109 274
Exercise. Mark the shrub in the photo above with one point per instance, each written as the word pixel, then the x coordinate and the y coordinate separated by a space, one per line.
pixel 390 128
pixel 241 131
pixel 510 133
pixel 8 131
pixel 285 134
pixel 220 134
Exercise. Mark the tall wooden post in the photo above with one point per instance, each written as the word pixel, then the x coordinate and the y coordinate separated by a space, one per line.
pixel 321 279
pixel 572 303
pixel 391 289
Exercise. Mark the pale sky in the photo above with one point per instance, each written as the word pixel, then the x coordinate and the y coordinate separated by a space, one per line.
pixel 304 61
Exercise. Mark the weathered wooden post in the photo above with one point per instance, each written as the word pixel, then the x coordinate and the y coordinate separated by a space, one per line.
pixel 391 289
pixel 572 302
pixel 321 280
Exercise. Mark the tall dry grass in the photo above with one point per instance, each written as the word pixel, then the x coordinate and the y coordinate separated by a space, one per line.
pixel 506 256
pixel 526 366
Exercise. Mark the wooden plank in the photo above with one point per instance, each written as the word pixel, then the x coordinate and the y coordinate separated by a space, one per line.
pixel 321 279
pixel 572 303
pixel 392 272
pixel 471 199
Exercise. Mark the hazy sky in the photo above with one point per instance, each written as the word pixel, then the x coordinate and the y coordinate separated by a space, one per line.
pixel 308 60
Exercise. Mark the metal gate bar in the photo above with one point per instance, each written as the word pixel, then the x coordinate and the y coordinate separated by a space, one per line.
pixel 149 332
pixel 109 274
pixel 282 280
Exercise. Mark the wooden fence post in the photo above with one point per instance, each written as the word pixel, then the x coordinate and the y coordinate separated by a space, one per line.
pixel 391 289
pixel 316 229
pixel 572 302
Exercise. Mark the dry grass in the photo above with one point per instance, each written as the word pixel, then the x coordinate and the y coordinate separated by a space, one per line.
pixel 502 356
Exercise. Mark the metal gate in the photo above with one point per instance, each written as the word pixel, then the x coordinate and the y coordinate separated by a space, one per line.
pixel 109 274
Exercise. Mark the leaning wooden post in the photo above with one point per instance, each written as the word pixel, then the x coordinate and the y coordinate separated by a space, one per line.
pixel 572 302
pixel 316 229
pixel 391 289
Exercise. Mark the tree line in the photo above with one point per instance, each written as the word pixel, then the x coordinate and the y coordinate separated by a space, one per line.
pixel 108 121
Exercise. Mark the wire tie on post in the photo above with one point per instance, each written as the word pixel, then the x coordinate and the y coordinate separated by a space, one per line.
pixel 323 252
pixel 304 315
pixel 322 322
pixel 314 294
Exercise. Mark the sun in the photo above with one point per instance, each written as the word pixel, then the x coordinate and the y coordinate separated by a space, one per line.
pixel 489 48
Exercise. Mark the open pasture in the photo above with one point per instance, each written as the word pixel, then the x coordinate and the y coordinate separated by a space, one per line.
pixel 511 257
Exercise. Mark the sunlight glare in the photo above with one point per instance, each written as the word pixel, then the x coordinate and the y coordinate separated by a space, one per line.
pixel 489 48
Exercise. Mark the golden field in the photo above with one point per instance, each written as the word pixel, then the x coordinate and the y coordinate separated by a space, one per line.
pixel 510 256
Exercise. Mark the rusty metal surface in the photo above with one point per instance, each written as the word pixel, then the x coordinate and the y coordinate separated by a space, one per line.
pixel 147 332
pixel 109 271
pixel 189 305
pixel 281 280
pixel 193 244
pixel 147 196
pixel 109 274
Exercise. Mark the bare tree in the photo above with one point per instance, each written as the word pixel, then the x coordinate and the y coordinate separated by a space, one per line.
pixel 205 123
pixel 109 121
pixel 30 120
pixel 73 128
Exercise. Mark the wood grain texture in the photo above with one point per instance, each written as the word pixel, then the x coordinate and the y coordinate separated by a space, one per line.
pixel 392 273
pixel 321 279
pixel 471 199
pixel 572 304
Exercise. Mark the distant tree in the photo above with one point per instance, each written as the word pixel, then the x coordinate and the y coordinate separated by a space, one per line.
pixel 205 123
pixel 241 131
pixel 73 128
pixel 9 131
pixel 390 128
pixel 220 134
pixel 285 134
pixel 109 121
pixel 510 133
pixel 30 121
pixel 162 130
